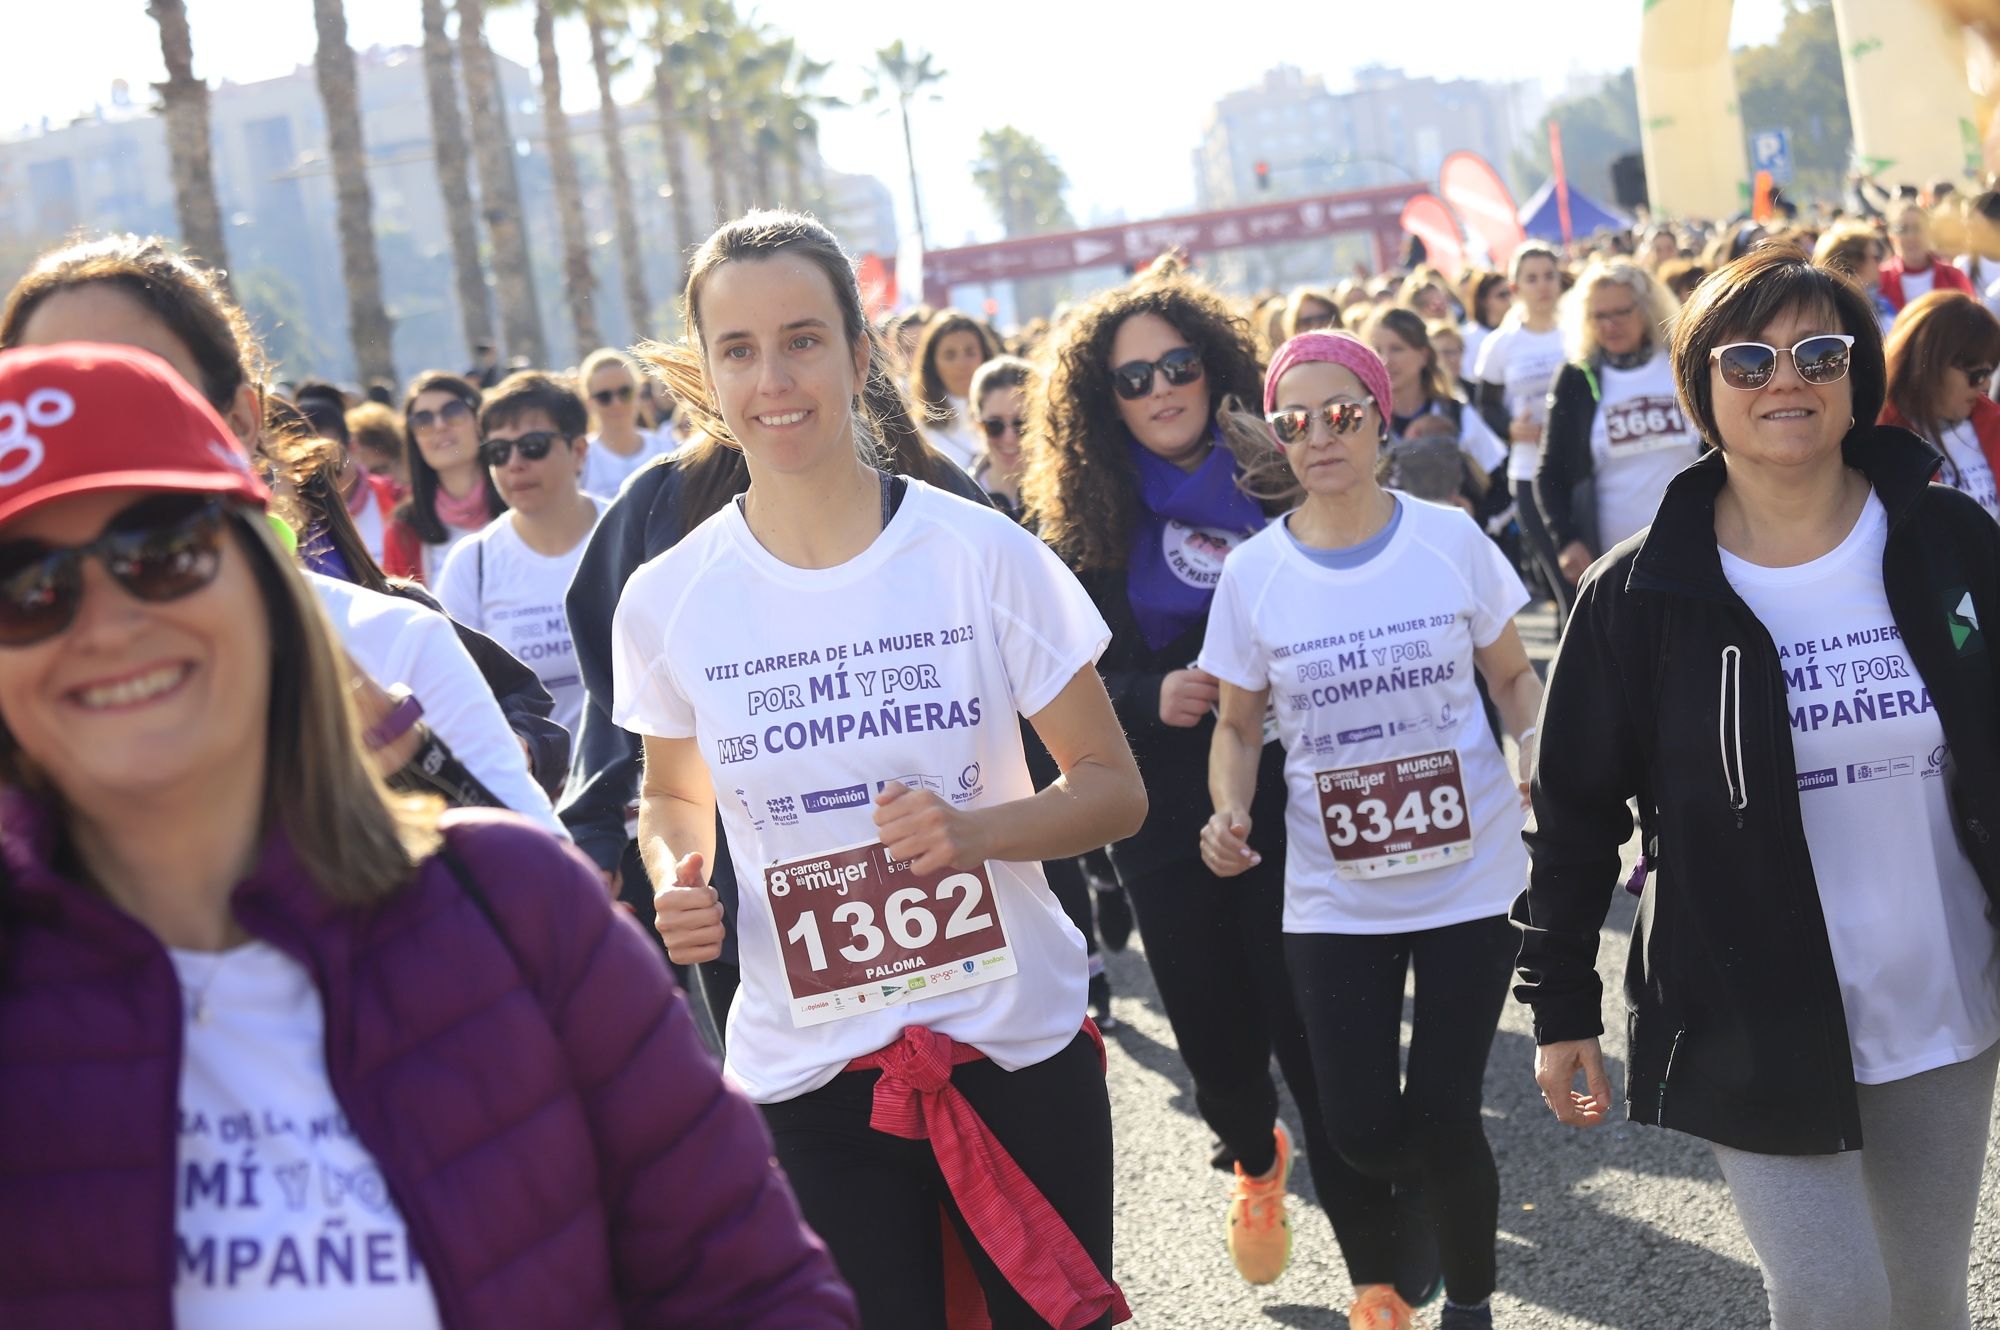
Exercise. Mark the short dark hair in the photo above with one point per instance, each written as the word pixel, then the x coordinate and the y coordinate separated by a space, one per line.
pixel 535 390
pixel 1740 299
pixel 325 407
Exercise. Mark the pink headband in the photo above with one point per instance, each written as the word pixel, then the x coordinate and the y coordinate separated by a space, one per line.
pixel 1340 348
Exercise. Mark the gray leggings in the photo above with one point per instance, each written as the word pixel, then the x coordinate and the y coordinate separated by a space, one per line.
pixel 1882 1235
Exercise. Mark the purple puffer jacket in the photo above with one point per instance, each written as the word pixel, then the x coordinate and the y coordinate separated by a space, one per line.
pixel 561 1145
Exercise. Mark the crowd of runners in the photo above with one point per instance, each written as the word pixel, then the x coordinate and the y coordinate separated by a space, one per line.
pixel 887 673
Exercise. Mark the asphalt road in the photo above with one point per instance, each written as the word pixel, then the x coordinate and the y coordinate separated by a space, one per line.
pixel 1621 1226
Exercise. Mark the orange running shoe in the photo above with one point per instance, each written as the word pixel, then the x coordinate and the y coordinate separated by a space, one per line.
pixel 1260 1234
pixel 1380 1307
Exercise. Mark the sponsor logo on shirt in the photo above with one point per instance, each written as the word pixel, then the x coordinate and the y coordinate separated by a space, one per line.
pixel 783 810
pixel 969 785
pixel 1824 778
pixel 935 784
pixel 1195 553
pixel 736 748
pixel 832 801
pixel 1880 769
pixel 1963 619
pixel 1414 725
pixel 1935 765
pixel 1357 736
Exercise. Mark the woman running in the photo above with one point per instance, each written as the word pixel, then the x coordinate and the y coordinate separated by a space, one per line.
pixel 902 956
pixel 1516 367
pixel 999 395
pixel 1916 269
pixel 1362 617
pixel 953 348
pixel 451 496
pixel 1135 485
pixel 1419 387
pixel 1790 674
pixel 619 441
pixel 1616 432
pixel 1941 358
pixel 283 1049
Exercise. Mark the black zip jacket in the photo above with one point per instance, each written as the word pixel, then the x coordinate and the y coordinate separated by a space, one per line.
pixel 1566 479
pixel 643 522
pixel 1173 761
pixel 1667 688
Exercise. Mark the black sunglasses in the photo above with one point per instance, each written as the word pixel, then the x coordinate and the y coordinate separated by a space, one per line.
pixel 452 410
pixel 161 548
pixel 1180 367
pixel 534 447
pixel 606 396
pixel 995 426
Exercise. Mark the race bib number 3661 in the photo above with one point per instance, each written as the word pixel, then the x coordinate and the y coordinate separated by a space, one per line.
pixel 1400 816
pixel 859 931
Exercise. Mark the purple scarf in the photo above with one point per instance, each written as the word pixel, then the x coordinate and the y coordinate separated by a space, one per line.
pixel 1187 524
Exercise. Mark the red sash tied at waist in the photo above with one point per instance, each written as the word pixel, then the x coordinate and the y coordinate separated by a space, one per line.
pixel 1014 1223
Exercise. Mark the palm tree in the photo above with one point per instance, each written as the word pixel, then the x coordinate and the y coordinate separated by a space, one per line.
pixel 601 16
pixel 184 106
pixel 368 325
pixel 670 109
pixel 798 124
pixel 499 188
pixel 1022 182
pixel 475 310
pixel 902 74
pixel 579 283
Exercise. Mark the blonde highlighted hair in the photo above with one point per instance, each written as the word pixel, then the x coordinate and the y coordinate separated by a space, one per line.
pixel 1657 307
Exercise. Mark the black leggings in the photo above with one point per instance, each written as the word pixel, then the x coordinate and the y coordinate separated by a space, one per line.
pixel 1216 949
pixel 1426 1127
pixel 873 1198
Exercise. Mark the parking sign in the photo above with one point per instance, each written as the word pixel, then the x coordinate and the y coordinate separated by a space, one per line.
pixel 1771 150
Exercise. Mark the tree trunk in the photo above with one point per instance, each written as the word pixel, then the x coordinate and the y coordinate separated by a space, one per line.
pixel 368 325
pixel 673 151
pixel 760 168
pixel 475 309
pixel 916 200
pixel 579 284
pixel 715 133
pixel 184 106
pixel 499 188
pixel 638 304
pixel 795 179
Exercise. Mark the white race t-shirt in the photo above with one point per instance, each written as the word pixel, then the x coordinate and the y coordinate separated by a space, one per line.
pixel 493 582
pixel 1524 364
pixel 1919 962
pixel 605 472
pixel 1918 284
pixel 433 556
pixel 281 1218
pixel 1968 470
pixel 809 688
pixel 1386 744
pixel 397 641
pixel 1638 442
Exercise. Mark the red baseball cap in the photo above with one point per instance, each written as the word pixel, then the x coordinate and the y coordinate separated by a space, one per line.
pixel 78 417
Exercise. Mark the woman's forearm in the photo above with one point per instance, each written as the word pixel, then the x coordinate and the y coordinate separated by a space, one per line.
pixel 1088 807
pixel 1519 701
pixel 671 827
pixel 1232 768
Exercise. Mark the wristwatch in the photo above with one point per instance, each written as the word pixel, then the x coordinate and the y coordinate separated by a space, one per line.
pixel 402 716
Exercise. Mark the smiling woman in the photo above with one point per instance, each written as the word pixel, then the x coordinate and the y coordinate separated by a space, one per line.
pixel 1816 976
pixel 895 628
pixel 217 914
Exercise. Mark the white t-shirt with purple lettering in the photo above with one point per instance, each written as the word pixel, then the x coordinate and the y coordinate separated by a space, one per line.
pixel 281 1218
pixel 806 690
pixel 1918 960
pixel 1402 813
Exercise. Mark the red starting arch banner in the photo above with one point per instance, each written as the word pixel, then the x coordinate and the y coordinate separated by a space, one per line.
pixel 1377 212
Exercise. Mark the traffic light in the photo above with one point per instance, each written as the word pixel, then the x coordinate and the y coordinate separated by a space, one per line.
pixel 1263 170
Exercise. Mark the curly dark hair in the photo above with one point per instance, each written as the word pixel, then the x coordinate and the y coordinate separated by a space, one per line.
pixel 1080 486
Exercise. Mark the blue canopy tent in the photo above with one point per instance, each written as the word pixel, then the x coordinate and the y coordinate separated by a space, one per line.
pixel 1542 219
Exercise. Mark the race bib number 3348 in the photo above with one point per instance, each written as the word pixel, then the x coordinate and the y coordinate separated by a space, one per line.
pixel 858 931
pixel 1400 816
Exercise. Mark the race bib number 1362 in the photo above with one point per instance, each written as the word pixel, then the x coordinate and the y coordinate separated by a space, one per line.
pixel 1394 817
pixel 859 931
